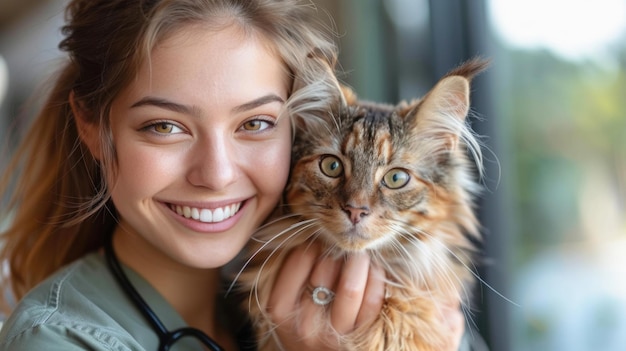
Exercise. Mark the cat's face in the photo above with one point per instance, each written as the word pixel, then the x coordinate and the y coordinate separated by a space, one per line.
pixel 379 175
pixel 364 180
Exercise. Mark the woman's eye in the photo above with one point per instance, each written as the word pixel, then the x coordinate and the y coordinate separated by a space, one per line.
pixel 256 125
pixel 164 128
pixel 396 178
pixel 331 166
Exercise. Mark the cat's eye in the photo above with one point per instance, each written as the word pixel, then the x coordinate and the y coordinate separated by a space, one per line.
pixel 396 178
pixel 331 166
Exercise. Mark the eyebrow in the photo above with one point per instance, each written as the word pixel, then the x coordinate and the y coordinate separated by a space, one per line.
pixel 195 111
pixel 167 105
pixel 263 100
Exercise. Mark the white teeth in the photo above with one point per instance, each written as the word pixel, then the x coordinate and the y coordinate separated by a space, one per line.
pixel 206 215
pixel 195 213
pixel 218 215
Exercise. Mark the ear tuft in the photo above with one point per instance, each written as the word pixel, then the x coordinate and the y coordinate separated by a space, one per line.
pixel 317 97
pixel 349 96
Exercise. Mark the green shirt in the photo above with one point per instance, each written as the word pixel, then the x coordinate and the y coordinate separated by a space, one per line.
pixel 82 307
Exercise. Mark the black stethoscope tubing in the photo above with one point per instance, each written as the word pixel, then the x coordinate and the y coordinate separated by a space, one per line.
pixel 166 338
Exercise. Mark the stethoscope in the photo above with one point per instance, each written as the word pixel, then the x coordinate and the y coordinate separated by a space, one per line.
pixel 166 338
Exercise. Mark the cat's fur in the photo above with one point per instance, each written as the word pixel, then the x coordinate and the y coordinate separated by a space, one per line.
pixel 421 232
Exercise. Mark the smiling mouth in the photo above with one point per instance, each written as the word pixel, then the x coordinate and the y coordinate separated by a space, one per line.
pixel 206 215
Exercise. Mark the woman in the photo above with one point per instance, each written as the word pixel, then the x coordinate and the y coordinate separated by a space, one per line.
pixel 165 141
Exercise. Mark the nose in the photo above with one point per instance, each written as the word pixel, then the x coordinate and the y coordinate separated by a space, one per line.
pixel 356 212
pixel 212 163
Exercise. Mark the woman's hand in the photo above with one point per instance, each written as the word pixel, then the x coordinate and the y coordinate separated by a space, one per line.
pixel 359 289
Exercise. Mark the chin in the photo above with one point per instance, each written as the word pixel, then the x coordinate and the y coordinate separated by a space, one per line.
pixel 213 256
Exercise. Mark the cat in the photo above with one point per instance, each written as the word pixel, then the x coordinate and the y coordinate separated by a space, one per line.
pixel 396 181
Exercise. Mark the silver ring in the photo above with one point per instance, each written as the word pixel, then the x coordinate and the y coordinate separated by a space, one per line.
pixel 322 296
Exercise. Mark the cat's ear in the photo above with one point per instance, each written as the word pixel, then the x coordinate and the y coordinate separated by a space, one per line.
pixel 347 95
pixel 441 113
pixel 450 97
pixel 317 67
pixel 317 96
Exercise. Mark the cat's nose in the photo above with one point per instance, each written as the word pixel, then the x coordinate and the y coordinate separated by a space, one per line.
pixel 356 212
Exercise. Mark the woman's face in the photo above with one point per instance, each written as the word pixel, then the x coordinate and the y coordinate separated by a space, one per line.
pixel 202 155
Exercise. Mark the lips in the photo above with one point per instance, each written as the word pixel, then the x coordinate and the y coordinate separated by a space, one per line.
pixel 206 215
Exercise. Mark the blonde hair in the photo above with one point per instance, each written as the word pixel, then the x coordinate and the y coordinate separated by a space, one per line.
pixel 58 207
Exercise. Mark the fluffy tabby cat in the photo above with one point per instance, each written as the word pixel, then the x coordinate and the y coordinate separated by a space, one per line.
pixel 394 181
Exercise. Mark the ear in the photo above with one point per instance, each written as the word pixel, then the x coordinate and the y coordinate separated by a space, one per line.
pixel 317 96
pixel 449 97
pixel 442 112
pixel 347 95
pixel 88 131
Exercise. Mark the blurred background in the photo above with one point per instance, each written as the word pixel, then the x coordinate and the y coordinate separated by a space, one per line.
pixel 552 108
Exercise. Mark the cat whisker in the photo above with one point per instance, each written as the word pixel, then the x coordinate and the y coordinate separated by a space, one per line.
pixel 415 275
pixel 302 226
pixel 277 220
pixel 444 265
pixel 447 271
pixel 468 315
pixel 330 251
pixel 310 224
pixel 436 263
pixel 465 306
pixel 443 269
pixel 472 271
pixel 401 232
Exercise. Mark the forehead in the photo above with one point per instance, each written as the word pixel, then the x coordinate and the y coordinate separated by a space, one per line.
pixel 201 56
pixel 211 42
pixel 211 70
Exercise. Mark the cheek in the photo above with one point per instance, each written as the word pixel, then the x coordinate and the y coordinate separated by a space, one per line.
pixel 272 167
pixel 143 170
pixel 268 165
